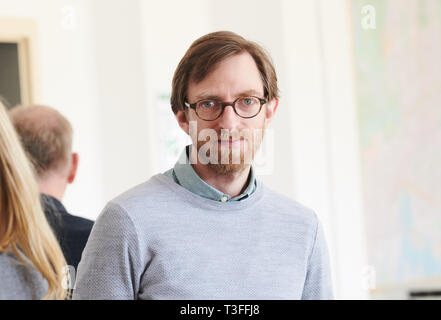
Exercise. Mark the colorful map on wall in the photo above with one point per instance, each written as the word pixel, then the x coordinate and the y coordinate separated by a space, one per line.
pixel 398 80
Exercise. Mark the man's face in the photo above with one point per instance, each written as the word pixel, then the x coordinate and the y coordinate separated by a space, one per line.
pixel 237 139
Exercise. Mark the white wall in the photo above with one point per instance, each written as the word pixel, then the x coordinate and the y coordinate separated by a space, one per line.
pixel 325 169
pixel 119 62
pixel 67 81
pixel 343 151
pixel 91 58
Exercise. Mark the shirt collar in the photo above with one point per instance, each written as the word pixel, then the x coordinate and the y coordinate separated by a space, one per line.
pixel 189 179
pixel 52 203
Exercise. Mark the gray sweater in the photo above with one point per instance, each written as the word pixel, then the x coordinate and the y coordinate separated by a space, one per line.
pixel 19 281
pixel 161 241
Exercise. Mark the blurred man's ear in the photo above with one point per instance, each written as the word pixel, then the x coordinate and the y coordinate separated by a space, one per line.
pixel 181 117
pixel 270 111
pixel 73 168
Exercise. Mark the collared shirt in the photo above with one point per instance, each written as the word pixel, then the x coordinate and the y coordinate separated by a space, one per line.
pixel 184 175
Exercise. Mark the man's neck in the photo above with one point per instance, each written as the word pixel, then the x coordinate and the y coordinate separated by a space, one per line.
pixel 231 184
pixel 53 186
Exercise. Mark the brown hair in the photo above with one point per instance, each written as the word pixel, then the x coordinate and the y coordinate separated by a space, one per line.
pixel 45 134
pixel 206 52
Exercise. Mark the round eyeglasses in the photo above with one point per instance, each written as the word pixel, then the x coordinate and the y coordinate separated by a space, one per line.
pixel 212 109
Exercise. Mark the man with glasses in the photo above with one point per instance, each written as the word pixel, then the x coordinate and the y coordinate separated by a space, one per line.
pixel 207 228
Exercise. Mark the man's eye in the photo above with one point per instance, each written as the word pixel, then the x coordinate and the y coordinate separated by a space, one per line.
pixel 248 101
pixel 208 104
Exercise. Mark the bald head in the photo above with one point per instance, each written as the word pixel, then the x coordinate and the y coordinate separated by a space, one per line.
pixel 46 137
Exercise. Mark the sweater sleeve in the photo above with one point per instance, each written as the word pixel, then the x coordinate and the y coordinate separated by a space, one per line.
pixel 110 266
pixel 318 283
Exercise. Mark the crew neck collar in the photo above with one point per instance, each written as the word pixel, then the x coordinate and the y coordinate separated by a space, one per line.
pixel 210 204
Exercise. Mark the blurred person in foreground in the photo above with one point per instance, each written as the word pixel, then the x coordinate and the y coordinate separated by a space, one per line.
pixel 32 265
pixel 46 136
pixel 207 228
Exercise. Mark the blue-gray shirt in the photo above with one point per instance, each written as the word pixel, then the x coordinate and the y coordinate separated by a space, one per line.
pixel 184 175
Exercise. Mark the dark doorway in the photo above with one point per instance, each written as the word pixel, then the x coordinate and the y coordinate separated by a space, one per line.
pixel 10 92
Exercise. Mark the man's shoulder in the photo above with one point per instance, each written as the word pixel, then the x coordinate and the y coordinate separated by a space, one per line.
pixel 151 193
pixel 284 205
pixel 59 217
pixel 78 223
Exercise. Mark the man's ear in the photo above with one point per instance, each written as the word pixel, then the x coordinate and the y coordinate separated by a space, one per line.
pixel 182 118
pixel 73 168
pixel 270 111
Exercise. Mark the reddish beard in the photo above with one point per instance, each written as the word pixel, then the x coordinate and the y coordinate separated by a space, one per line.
pixel 229 161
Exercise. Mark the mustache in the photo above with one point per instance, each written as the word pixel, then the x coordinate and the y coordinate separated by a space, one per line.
pixel 233 135
pixel 216 136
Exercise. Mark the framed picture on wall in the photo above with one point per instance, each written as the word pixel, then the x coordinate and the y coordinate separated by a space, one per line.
pixel 17 62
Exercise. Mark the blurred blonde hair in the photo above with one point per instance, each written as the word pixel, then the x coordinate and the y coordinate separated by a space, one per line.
pixel 24 229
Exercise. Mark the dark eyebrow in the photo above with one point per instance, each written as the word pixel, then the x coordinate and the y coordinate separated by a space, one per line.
pixel 249 93
pixel 205 96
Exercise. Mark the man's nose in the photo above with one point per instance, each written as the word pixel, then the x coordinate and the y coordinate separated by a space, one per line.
pixel 229 118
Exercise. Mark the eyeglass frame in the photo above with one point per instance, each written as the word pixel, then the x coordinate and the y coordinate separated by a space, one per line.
pixel 226 104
